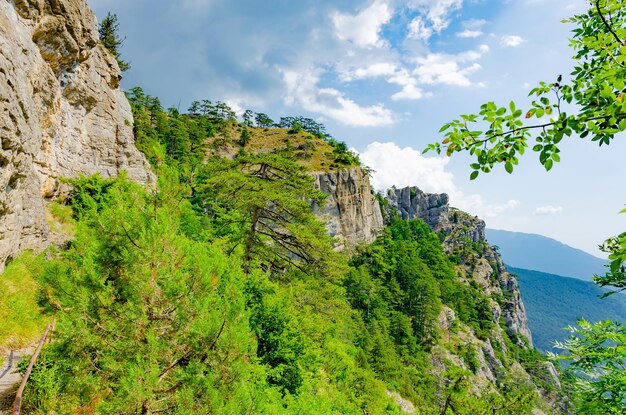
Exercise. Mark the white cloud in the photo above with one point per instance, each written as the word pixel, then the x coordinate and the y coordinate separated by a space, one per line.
pixel 363 29
pixel 440 68
pixel 406 167
pixel 511 41
pixel 410 90
pixel 302 90
pixel 418 29
pixel 476 205
pixel 469 34
pixel 437 11
pixel 375 70
pixel 394 75
pixel 548 210
pixel 401 167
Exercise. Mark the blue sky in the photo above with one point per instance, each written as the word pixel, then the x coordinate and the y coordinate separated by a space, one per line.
pixel 384 75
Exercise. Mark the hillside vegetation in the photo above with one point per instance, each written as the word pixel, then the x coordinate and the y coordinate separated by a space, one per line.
pixel 554 302
pixel 219 292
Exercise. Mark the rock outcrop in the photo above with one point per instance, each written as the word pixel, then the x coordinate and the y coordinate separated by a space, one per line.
pixel 62 113
pixel 351 212
pixel 462 235
pixel 411 203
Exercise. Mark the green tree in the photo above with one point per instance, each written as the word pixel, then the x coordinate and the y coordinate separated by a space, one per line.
pixel 598 361
pixel 149 320
pixel 108 31
pixel 244 139
pixel 263 121
pixel 248 116
pixel 267 198
pixel 592 105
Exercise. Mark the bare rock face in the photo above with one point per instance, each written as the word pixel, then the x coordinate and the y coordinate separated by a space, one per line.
pixel 411 203
pixel 351 212
pixel 62 113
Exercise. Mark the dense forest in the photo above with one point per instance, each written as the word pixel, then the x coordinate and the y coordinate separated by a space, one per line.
pixel 218 291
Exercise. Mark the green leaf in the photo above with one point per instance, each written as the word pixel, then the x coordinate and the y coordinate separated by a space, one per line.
pixel 508 167
pixel 474 175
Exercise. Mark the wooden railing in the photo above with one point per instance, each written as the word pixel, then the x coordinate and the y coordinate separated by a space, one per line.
pixel 17 404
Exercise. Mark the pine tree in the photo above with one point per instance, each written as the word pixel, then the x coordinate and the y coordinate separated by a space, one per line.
pixel 149 320
pixel 266 200
pixel 109 37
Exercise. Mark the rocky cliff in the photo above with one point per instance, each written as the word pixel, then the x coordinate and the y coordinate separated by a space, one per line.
pixel 62 113
pixel 352 214
pixel 480 265
pixel 464 236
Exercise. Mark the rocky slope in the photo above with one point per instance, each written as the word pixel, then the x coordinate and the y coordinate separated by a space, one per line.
pixel 463 237
pixel 351 212
pixel 62 113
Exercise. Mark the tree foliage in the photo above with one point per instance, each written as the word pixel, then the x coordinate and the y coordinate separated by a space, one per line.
pixel 108 31
pixel 267 201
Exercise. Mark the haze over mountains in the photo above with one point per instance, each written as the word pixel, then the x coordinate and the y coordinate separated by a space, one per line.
pixel 540 253
pixel 555 283
pixel 554 303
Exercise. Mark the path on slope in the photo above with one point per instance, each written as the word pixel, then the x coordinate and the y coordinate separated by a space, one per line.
pixel 10 378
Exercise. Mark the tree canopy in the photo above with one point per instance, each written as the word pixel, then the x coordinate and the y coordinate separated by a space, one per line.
pixel 109 36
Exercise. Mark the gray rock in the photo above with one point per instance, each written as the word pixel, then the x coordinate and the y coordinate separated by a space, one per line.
pixel 62 113
pixel 412 203
pixel 352 214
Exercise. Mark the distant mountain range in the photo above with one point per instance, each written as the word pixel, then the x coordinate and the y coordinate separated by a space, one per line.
pixel 540 253
pixel 554 302
pixel 555 284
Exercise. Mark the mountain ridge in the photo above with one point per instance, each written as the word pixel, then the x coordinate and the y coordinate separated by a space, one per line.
pixel 530 251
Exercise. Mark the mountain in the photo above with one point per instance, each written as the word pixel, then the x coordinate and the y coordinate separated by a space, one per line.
pixel 410 311
pixel 540 253
pixel 554 302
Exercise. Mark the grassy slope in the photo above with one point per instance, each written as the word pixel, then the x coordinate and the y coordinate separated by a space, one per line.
pixel 318 157
pixel 21 320
pixel 554 302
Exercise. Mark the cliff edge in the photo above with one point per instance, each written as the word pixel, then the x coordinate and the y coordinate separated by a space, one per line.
pixel 62 113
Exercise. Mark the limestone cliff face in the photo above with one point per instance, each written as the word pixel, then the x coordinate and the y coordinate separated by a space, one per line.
pixel 464 234
pixel 62 113
pixel 351 212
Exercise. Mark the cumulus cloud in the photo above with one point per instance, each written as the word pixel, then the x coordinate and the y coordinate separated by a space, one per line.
pixel 401 167
pixel 511 41
pixel 375 70
pixel 394 75
pixel 363 29
pixel 469 34
pixel 418 29
pixel 406 167
pixel 548 210
pixel 441 68
pixel 302 89
pixel 437 11
pixel 410 90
